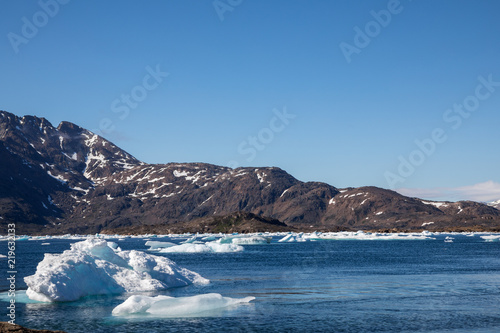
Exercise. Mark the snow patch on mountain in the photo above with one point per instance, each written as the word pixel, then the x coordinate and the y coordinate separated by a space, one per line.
pixel 495 204
pixel 435 203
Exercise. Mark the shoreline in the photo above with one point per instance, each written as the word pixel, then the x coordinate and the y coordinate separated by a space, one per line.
pixel 277 234
pixel 15 328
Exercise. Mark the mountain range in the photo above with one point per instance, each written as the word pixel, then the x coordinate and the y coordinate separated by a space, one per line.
pixel 66 179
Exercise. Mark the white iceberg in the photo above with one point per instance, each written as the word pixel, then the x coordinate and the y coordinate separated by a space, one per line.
pixel 92 267
pixel 491 238
pixel 210 247
pixel 254 240
pixel 2 256
pixel 361 235
pixel 291 238
pixel 287 238
pixel 251 240
pixel 190 240
pixel 154 245
pixel 166 306
pixel 113 245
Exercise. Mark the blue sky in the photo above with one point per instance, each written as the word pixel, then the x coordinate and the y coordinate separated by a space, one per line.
pixel 293 84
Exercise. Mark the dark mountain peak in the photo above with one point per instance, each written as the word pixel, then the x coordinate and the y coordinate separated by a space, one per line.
pixel 13 120
pixel 69 150
pixel 70 129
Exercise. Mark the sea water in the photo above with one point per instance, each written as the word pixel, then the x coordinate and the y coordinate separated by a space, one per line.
pixel 314 286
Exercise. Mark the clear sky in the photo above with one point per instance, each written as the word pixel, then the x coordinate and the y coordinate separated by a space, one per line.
pixel 332 91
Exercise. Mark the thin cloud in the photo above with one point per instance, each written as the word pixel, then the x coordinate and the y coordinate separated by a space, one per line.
pixel 484 192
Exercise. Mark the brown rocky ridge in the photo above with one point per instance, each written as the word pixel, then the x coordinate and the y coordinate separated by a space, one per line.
pixel 66 179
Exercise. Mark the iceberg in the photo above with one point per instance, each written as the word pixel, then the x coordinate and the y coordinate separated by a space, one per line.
pixel 113 245
pixel 154 245
pixel 252 240
pixel 491 238
pixel 210 247
pixel 2 256
pixel 294 238
pixel 287 238
pixel 190 240
pixel 166 306
pixel 361 235
pixel 91 267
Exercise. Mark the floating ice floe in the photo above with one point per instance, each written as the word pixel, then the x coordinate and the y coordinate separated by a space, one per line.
pixel 243 240
pixel 210 247
pixel 2 256
pixel 287 238
pixel 491 238
pixel 293 238
pixel 361 235
pixel 92 267
pixel 190 240
pixel 166 306
pixel 154 245
pixel 449 239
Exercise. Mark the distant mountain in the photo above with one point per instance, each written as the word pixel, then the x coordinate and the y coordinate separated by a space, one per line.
pixel 495 204
pixel 67 179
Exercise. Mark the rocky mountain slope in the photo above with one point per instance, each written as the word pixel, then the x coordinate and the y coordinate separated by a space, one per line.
pixel 66 179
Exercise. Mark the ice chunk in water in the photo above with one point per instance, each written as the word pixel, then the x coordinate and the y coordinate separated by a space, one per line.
pixel 293 238
pixel 203 248
pixel 166 306
pixel 242 240
pixel 154 245
pixel 491 238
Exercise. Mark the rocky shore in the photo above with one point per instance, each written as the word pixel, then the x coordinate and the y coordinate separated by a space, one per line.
pixel 13 328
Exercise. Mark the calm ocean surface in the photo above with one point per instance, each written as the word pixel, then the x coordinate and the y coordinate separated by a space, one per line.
pixel 323 286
